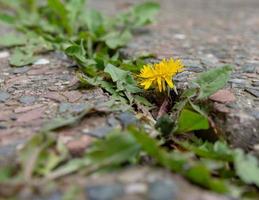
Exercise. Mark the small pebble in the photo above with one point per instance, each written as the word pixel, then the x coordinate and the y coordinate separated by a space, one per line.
pixel 248 68
pixel 209 60
pixel 136 188
pixel 162 190
pixel 255 114
pixel 255 83
pixel 41 61
pixel 4 96
pixel 127 118
pixel 98 132
pixel 104 192
pixel 4 54
pixel 20 70
pixel 179 36
pixel 238 83
pixel 27 100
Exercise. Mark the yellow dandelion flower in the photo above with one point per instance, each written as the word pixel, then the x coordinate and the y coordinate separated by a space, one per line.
pixel 160 74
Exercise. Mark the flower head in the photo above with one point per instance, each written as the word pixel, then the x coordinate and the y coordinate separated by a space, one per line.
pixel 160 74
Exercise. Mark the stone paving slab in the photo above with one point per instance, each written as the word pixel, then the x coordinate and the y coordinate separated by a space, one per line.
pixel 32 95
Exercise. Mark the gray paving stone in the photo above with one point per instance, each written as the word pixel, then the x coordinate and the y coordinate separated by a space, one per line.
pixel 70 107
pixel 27 100
pixel 99 132
pixel 127 118
pixel 4 96
pixel 255 83
pixel 21 70
pixel 239 83
pixel 162 190
pixel 104 192
pixel 253 91
pixel 249 68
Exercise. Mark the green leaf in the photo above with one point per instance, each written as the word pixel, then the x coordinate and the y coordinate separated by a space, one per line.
pixel 94 20
pixel 58 7
pixel 75 9
pixel 5 173
pixel 115 149
pixel 165 124
pixel 20 58
pixel 12 40
pixel 212 80
pixel 200 174
pixel 123 79
pixel 97 81
pixel 179 162
pixel 150 145
pixel 77 52
pixel 143 100
pixel 72 192
pixel 117 39
pixel 37 156
pixel 190 120
pixel 9 19
pixel 60 10
pixel 218 151
pixel 145 13
pixel 247 167
pixel 116 73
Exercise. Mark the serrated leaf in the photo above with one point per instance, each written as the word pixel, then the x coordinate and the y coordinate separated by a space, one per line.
pixel 177 162
pixel 12 40
pixel 212 80
pixel 58 7
pixel 247 167
pixel 143 100
pixel 145 12
pixel 77 52
pixel 165 124
pixel 9 19
pixel 200 174
pixel 123 79
pixel 116 73
pixel 117 39
pixel 218 151
pixel 190 120
pixel 94 20
pixel 150 146
pixel 116 148
pixel 75 9
pixel 41 154
pixel 20 58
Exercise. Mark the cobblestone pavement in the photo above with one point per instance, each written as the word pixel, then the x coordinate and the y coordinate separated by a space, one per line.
pixel 203 33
